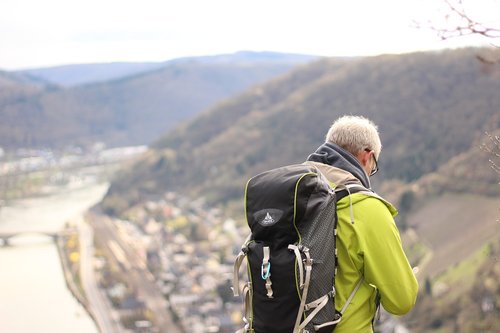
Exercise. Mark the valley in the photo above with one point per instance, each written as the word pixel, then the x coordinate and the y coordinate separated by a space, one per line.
pixel 173 212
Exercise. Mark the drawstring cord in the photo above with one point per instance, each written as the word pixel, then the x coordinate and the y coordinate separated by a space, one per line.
pixel 351 210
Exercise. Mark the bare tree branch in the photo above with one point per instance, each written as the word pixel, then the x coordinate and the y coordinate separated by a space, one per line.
pixel 466 25
pixel 459 23
pixel 493 151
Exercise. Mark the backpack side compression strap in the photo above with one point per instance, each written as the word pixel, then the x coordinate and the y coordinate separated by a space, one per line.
pixel 349 300
pixel 308 263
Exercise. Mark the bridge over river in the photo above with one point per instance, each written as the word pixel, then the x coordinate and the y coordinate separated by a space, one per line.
pixel 6 237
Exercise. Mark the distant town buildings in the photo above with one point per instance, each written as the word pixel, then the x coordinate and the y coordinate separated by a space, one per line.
pixel 29 160
pixel 190 249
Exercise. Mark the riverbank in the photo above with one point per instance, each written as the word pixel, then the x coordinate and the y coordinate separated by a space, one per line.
pixel 37 284
pixel 71 275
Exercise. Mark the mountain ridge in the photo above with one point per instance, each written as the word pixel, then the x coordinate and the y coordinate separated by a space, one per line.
pixel 83 74
pixel 135 109
pixel 426 106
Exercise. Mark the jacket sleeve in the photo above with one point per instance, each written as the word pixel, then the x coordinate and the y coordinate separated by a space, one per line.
pixel 385 264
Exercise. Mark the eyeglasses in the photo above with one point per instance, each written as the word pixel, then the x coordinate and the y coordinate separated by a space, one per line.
pixel 375 169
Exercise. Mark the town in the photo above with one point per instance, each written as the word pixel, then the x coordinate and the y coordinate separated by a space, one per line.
pixel 184 250
pixel 190 250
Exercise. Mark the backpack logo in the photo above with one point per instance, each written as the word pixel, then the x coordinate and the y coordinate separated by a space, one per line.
pixel 267 220
pixel 268 217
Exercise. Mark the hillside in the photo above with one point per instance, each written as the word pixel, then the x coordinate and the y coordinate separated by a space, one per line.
pixel 464 299
pixel 131 110
pixel 15 90
pixel 15 85
pixel 452 236
pixel 446 233
pixel 430 108
pixel 80 74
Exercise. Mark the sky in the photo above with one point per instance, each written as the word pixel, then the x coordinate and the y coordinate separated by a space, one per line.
pixel 44 33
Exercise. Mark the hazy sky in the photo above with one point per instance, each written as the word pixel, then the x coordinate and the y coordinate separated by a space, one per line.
pixel 40 33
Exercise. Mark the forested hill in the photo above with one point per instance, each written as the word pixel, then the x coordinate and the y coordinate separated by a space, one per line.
pixel 134 109
pixel 18 84
pixel 430 107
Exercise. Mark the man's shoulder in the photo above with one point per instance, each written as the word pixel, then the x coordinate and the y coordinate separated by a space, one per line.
pixel 335 176
pixel 368 200
pixel 339 178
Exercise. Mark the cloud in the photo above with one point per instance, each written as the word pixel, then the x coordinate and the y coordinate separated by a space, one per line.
pixel 51 32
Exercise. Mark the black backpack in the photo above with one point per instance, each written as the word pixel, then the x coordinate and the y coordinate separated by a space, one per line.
pixel 291 252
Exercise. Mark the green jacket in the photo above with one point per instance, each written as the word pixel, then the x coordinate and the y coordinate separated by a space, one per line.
pixel 369 247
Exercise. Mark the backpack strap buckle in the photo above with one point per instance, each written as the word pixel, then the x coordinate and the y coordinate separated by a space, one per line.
pixel 265 270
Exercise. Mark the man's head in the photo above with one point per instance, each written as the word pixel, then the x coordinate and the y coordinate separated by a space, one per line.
pixel 359 136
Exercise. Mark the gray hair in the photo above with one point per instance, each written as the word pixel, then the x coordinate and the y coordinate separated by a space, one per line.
pixel 355 134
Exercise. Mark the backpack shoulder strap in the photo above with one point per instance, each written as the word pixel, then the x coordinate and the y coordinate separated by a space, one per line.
pixel 348 189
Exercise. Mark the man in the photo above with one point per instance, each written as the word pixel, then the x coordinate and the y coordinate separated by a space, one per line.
pixel 368 241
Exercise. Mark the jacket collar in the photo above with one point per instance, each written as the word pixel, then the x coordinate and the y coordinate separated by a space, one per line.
pixel 335 156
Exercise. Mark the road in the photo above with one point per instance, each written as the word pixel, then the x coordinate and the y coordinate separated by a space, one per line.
pixel 135 269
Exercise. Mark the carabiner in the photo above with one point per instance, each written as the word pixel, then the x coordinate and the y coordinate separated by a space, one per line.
pixel 265 272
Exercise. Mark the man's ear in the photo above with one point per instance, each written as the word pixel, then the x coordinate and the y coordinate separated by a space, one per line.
pixel 364 157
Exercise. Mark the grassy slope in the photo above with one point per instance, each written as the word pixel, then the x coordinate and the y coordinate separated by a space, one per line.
pixel 457 300
pixel 452 227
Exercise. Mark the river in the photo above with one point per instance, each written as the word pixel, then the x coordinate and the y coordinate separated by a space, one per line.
pixel 33 293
